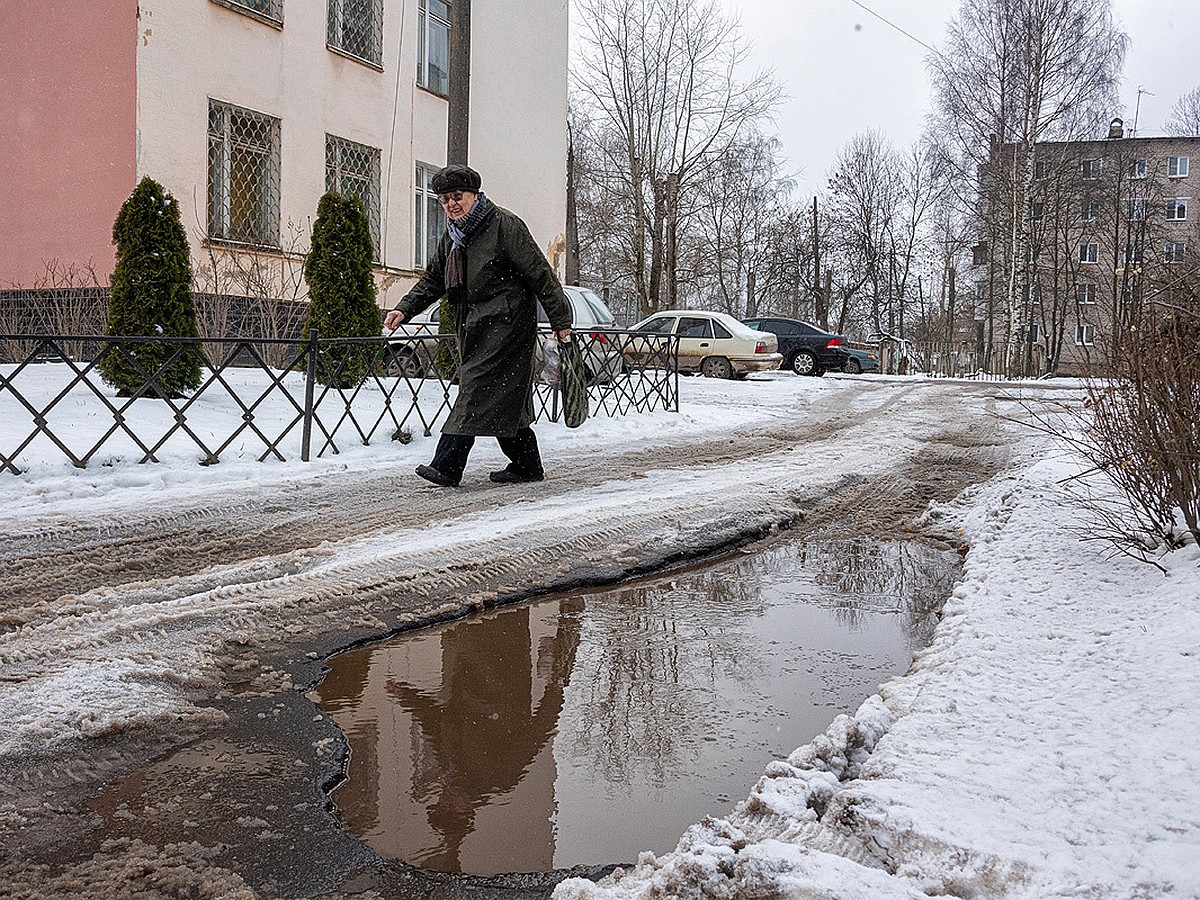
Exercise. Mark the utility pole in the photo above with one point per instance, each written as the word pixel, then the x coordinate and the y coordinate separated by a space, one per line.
pixel 458 120
pixel 821 300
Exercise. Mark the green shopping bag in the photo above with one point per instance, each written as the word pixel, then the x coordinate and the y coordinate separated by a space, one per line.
pixel 572 383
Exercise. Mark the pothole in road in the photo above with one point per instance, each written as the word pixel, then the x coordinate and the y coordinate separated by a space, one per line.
pixel 581 729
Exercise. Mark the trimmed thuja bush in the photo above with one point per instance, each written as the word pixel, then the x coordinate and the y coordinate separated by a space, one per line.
pixel 151 298
pixel 341 289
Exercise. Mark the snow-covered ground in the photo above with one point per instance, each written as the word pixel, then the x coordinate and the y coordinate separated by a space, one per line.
pixel 1044 745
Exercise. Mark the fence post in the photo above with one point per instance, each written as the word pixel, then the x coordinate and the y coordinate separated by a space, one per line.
pixel 310 380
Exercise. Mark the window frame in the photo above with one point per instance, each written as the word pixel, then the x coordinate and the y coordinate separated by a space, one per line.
pixel 426 22
pixel 336 27
pixel 1085 293
pixel 337 149
pixel 1089 252
pixel 274 17
pixel 1139 168
pixel 1178 166
pixel 424 242
pixel 218 197
pixel 1085 335
pixel 1173 206
pixel 1092 168
pixel 1089 210
pixel 1174 252
pixel 1135 209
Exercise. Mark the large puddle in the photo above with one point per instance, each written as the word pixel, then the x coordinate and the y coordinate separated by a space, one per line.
pixel 582 729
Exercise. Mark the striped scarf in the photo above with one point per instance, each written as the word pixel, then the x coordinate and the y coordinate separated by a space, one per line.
pixel 459 231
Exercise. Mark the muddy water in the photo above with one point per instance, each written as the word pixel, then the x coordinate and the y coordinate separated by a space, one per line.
pixel 582 729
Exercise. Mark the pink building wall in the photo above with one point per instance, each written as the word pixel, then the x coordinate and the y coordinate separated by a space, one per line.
pixel 68 148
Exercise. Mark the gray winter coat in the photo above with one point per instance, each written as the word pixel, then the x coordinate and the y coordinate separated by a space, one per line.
pixel 496 315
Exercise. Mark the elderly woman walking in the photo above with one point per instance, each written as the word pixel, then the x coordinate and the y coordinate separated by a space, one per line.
pixel 494 274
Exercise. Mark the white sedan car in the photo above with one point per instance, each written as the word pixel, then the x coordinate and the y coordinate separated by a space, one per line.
pixel 711 343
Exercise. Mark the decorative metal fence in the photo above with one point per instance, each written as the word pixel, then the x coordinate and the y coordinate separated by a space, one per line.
pixel 327 392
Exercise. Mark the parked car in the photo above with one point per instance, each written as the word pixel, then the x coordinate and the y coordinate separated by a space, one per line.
pixel 711 343
pixel 590 319
pixel 806 349
pixel 861 361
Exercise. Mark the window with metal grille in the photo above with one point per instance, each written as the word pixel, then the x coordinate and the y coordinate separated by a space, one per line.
pixel 430 218
pixel 1174 251
pixel 243 175
pixel 1085 335
pixel 352 170
pixel 433 45
pixel 270 10
pixel 356 28
pixel 1177 209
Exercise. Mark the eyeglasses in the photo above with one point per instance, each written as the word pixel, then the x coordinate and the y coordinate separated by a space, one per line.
pixel 456 196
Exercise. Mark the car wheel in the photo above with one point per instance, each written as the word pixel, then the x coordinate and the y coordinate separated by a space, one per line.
pixel 716 367
pixel 404 362
pixel 853 367
pixel 805 363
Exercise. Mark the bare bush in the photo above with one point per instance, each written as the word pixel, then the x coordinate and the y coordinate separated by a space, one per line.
pixel 65 299
pixel 1141 428
pixel 253 292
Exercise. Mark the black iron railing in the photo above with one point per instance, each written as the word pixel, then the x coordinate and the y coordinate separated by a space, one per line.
pixel 277 399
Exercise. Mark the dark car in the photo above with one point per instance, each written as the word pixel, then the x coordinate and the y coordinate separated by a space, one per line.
pixel 806 349
pixel 862 361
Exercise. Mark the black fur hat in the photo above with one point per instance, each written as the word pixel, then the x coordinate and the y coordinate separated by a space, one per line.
pixel 456 178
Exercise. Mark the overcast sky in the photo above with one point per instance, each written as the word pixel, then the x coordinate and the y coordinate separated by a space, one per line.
pixel 845 71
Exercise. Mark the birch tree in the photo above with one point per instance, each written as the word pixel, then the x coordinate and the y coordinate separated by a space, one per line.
pixel 1185 115
pixel 1011 74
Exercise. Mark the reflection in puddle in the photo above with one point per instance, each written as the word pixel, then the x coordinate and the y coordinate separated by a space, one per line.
pixel 583 729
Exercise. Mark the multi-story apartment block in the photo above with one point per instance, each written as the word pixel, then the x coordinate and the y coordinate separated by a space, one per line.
pixel 248 110
pixel 1077 238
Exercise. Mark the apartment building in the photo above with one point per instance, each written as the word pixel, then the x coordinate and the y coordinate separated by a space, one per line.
pixel 248 110
pixel 1077 238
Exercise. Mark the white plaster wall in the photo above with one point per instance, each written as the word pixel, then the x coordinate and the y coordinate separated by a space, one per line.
pixel 190 51
pixel 518 138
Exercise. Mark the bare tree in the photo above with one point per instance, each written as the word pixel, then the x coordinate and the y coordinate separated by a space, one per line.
pixel 740 203
pixel 660 79
pixel 1011 74
pixel 1185 115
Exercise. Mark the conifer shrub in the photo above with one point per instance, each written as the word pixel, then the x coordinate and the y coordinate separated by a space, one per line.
pixel 151 298
pixel 341 289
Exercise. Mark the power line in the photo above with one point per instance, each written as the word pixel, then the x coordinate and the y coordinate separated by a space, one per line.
pixel 891 24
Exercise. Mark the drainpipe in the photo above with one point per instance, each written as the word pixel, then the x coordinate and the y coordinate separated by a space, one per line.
pixel 458 120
